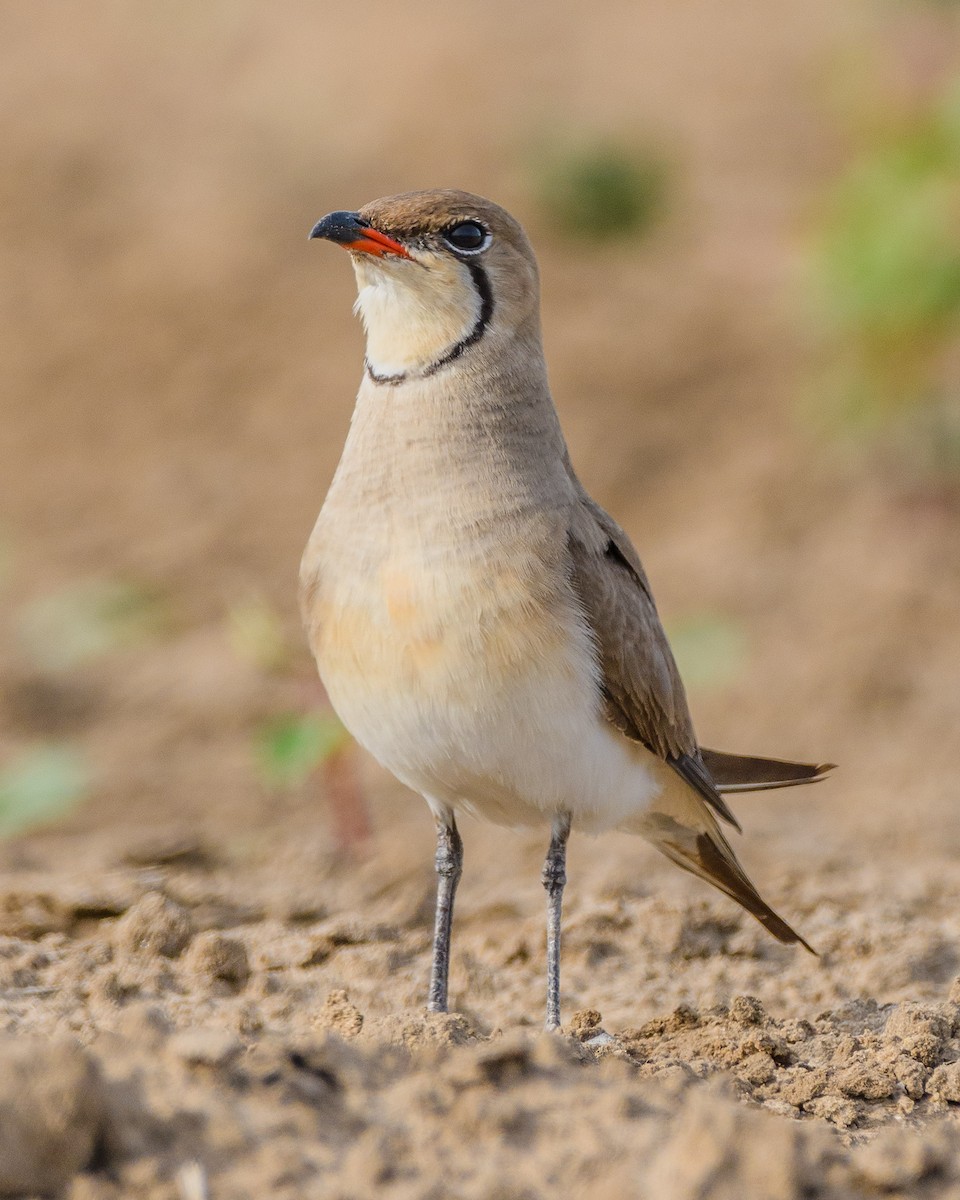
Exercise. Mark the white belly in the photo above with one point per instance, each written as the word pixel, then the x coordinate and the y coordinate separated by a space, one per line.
pixel 479 693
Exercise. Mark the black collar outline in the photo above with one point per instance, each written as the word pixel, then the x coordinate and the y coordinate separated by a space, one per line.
pixel 481 282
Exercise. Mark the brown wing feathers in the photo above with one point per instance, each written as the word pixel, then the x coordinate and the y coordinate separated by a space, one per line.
pixel 644 698
pixel 643 693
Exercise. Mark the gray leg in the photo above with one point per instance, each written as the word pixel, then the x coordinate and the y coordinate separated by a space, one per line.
pixel 449 862
pixel 554 877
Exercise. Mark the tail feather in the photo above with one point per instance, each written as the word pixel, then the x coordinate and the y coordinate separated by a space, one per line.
pixel 709 855
pixel 682 826
pixel 743 773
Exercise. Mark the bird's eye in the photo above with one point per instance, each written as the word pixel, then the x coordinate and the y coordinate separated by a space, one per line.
pixel 468 235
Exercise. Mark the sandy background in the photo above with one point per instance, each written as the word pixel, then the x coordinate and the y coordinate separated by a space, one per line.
pixel 179 366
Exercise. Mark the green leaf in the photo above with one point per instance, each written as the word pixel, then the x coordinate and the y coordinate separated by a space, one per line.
pixel 291 747
pixel 887 267
pixel 41 785
pixel 601 191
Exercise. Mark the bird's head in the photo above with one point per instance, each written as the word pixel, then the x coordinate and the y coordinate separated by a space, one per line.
pixel 439 274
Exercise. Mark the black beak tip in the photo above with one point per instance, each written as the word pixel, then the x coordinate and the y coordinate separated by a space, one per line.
pixel 337 227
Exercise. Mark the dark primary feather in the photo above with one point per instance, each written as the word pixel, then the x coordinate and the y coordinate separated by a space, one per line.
pixel 746 773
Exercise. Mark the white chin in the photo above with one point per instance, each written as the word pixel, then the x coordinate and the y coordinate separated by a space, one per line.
pixel 413 312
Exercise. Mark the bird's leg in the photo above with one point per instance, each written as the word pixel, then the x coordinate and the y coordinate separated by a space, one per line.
pixel 449 862
pixel 554 877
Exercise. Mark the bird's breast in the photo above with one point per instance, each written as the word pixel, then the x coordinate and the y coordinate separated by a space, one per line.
pixel 419 642
pixel 444 623
pixel 463 664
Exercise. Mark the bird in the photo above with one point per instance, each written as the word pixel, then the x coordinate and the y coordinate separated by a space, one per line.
pixel 481 625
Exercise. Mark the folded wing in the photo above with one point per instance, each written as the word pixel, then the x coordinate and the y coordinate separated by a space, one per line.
pixel 644 698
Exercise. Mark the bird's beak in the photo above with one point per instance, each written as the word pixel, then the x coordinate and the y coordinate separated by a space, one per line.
pixel 348 229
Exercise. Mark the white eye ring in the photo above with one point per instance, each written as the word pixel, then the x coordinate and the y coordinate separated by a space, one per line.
pixel 467 230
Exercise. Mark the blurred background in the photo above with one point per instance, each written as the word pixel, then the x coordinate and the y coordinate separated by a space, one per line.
pixel 748 222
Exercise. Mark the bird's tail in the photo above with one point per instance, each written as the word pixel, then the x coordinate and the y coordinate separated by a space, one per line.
pixel 742 773
pixel 709 855
pixel 681 826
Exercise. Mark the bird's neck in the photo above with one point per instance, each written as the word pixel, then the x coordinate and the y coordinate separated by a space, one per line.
pixel 481 433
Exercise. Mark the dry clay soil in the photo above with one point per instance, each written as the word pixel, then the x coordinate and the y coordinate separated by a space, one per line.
pixel 255 1028
pixel 200 993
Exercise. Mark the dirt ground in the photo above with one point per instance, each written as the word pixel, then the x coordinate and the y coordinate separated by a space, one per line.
pixel 202 992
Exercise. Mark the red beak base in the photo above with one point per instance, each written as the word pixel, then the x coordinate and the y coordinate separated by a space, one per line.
pixel 376 243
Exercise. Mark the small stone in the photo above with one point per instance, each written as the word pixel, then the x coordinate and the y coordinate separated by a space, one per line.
pixel 601 1040
pixel 218 958
pixel 154 925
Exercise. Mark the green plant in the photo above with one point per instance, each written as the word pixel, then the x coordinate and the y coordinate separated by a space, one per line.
pixel 601 191
pixel 291 747
pixel 40 785
pixel 888 281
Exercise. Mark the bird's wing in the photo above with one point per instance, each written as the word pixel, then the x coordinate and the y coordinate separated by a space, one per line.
pixel 644 698
pixel 642 691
